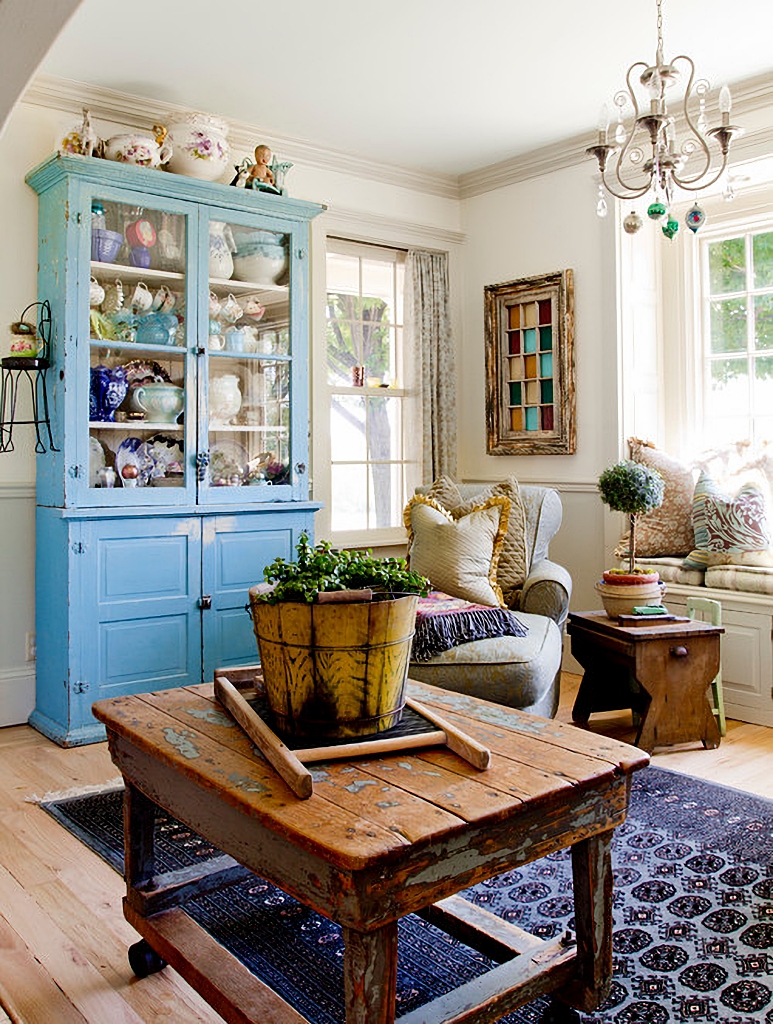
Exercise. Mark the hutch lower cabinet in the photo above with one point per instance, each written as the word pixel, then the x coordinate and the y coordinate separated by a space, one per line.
pixel 179 362
pixel 141 604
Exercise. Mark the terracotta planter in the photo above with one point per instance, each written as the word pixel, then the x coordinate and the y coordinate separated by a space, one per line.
pixel 335 670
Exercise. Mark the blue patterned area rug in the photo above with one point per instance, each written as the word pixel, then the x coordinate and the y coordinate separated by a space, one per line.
pixel 693 912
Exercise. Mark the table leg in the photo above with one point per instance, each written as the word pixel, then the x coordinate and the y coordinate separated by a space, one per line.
pixel 370 975
pixel 607 683
pixel 139 819
pixel 592 880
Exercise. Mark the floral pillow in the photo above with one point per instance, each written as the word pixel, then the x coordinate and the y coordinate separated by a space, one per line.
pixel 729 530
pixel 458 553
pixel 668 529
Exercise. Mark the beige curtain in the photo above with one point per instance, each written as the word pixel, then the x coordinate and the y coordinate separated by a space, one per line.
pixel 430 345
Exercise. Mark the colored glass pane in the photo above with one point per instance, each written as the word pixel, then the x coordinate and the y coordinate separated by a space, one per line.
pixel 530 340
pixel 514 317
pixel 546 339
pixel 514 342
pixel 545 311
pixel 532 419
pixel 530 366
pixel 546 364
pixel 516 368
pixel 529 314
pixel 547 417
pixel 515 393
pixel 532 392
pixel 546 391
pixel 516 419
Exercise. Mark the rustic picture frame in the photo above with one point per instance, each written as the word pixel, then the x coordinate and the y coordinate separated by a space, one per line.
pixel 530 384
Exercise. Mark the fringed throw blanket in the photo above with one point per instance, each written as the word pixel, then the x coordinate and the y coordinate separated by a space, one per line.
pixel 443 622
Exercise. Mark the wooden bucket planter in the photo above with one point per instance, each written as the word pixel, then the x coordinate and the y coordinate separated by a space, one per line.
pixel 335 670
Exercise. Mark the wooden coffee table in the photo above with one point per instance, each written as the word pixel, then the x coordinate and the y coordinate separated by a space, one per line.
pixel 661 670
pixel 439 826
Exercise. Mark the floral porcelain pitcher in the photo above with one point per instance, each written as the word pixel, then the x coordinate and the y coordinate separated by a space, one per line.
pixel 221 249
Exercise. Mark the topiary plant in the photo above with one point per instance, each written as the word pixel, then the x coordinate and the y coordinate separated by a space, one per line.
pixel 634 489
pixel 322 568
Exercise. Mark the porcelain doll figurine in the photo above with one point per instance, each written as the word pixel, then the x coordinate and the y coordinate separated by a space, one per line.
pixel 260 171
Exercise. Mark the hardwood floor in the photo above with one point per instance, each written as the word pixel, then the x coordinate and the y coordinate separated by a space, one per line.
pixel 63 938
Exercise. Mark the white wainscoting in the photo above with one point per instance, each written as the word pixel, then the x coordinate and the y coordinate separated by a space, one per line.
pixel 17 601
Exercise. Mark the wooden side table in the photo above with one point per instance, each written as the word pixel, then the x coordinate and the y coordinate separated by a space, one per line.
pixel 661 671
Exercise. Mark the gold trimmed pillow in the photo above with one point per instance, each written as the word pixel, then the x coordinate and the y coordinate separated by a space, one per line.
pixel 459 554
pixel 513 567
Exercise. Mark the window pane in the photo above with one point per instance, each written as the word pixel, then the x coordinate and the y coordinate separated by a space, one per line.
pixel 387 495
pixel 763 383
pixel 728 325
pixel 350 493
pixel 347 428
pixel 384 428
pixel 763 321
pixel 344 340
pixel 762 256
pixel 727 266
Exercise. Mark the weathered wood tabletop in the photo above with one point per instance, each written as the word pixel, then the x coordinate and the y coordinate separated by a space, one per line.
pixel 379 838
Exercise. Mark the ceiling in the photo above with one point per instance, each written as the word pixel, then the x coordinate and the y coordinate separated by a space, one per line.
pixel 434 85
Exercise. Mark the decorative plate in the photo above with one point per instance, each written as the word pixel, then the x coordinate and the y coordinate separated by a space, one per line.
pixel 96 461
pixel 167 454
pixel 144 371
pixel 227 458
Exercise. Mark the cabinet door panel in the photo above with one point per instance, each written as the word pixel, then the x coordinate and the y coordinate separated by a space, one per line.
pixel 146 578
pixel 235 551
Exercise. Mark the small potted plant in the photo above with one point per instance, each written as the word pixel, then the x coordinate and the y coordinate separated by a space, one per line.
pixel 334 631
pixel 634 489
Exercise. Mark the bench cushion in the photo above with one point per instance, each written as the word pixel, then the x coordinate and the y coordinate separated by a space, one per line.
pixel 751 579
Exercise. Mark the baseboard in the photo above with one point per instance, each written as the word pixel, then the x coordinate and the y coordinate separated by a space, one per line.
pixel 17 695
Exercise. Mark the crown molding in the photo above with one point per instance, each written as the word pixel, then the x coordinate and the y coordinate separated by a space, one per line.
pixel 749 96
pixel 367 227
pixel 141 113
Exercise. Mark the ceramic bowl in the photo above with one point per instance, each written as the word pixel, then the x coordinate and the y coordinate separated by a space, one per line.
pixel 258 268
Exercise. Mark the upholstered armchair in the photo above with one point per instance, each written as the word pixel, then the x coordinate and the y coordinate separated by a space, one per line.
pixel 519 671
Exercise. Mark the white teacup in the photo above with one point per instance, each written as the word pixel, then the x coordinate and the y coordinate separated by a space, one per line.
pixel 142 298
pixel 214 304
pixel 96 293
pixel 164 300
pixel 217 342
pixel 231 309
pixel 113 300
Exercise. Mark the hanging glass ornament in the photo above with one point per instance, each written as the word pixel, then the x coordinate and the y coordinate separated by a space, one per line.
pixel 656 210
pixel 632 223
pixel 671 227
pixel 601 206
pixel 694 217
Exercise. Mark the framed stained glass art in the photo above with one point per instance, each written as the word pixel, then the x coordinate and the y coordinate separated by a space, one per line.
pixel 530 399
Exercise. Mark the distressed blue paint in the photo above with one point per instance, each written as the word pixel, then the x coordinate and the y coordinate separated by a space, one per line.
pixel 248 785
pixel 183 742
pixel 213 717
pixel 359 784
pixel 120 572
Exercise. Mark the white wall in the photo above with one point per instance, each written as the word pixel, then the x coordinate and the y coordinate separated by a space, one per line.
pixel 539 226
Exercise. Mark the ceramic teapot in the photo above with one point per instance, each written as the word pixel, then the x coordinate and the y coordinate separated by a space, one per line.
pixel 161 402
pixel 201 149
pixel 139 149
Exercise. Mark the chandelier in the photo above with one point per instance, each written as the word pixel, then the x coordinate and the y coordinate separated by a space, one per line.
pixel 653 152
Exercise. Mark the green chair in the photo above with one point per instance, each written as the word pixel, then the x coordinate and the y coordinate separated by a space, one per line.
pixel 706 610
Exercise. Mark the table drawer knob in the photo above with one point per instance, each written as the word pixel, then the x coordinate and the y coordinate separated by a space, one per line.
pixel 679 652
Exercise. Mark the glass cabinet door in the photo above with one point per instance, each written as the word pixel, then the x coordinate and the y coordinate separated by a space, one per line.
pixel 140 388
pixel 246 438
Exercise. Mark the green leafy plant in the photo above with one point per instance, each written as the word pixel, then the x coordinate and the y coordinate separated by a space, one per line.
pixel 634 489
pixel 321 568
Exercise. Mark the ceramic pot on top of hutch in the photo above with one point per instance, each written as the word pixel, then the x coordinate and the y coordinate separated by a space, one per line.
pixel 141 585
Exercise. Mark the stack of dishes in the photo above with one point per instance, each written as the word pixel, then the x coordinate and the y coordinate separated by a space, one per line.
pixel 260 257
